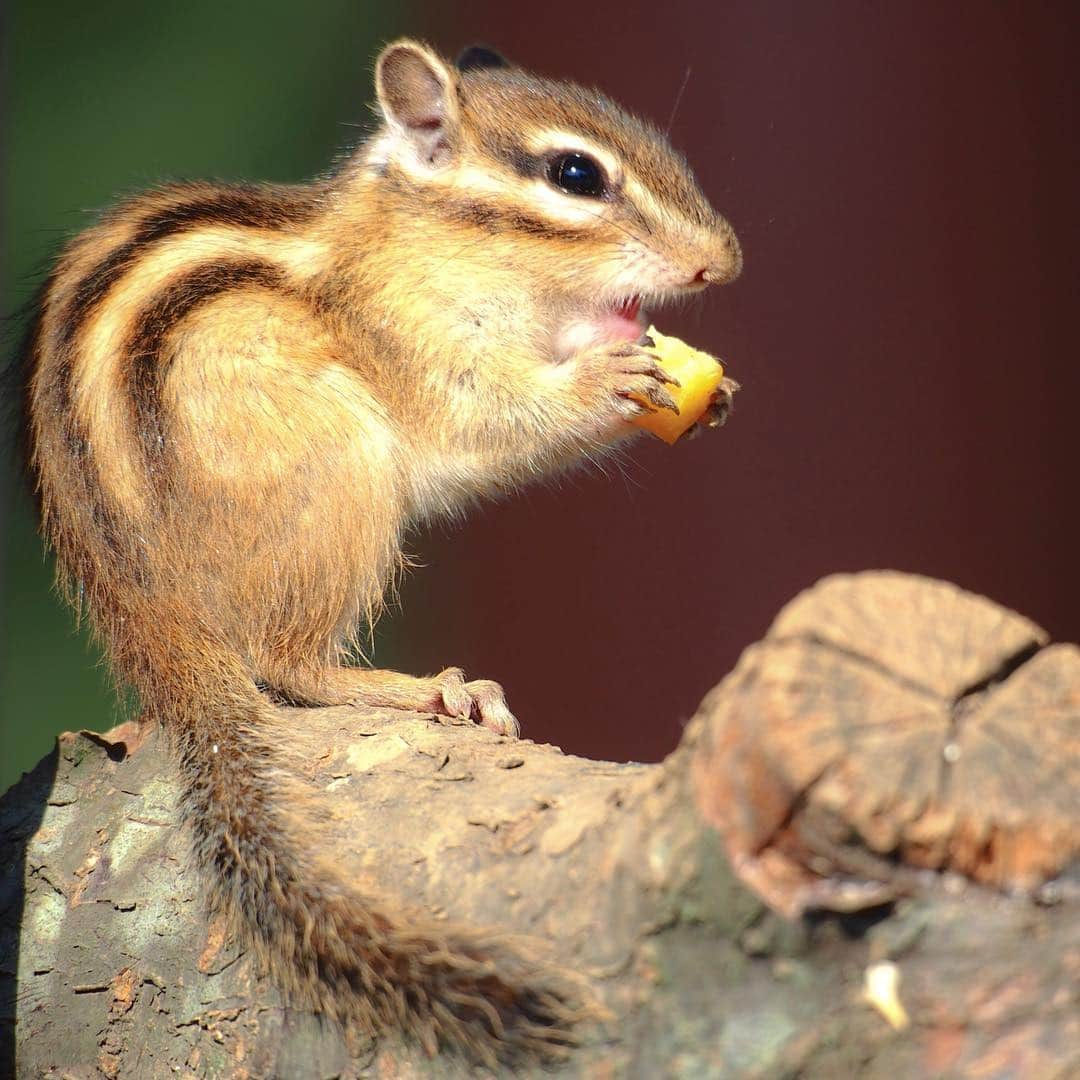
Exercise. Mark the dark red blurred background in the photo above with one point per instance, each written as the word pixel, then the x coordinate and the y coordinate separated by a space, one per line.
pixel 904 179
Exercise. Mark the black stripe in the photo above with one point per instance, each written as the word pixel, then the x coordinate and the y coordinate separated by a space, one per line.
pixel 497 219
pixel 147 359
pixel 248 207
pixel 19 379
pixel 252 207
pixel 483 214
pixel 516 157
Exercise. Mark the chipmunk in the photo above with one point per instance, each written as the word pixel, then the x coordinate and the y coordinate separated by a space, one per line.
pixel 241 397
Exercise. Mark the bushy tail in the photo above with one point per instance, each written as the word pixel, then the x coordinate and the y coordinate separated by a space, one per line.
pixel 335 950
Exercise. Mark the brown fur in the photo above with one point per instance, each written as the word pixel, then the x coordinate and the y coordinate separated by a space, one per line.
pixel 240 398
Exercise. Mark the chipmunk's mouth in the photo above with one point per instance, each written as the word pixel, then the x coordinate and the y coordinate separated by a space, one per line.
pixel 625 319
pixel 621 320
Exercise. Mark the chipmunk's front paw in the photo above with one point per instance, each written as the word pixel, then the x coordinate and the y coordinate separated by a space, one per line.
pixel 624 381
pixel 480 700
pixel 717 413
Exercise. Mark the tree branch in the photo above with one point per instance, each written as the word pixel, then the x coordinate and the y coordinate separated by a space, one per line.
pixel 723 906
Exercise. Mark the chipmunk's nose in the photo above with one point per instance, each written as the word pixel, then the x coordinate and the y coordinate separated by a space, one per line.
pixel 725 262
pixel 721 256
pixel 717 275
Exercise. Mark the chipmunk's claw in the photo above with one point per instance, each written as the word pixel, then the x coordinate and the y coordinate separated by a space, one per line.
pixel 480 700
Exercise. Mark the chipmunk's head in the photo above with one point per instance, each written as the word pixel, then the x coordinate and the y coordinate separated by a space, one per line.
pixel 588 204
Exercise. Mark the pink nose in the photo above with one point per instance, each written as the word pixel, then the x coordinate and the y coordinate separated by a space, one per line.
pixel 714 275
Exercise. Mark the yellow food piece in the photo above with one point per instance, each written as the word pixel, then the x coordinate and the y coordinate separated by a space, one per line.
pixel 699 376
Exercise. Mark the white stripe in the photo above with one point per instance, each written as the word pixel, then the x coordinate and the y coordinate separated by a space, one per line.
pixel 94 396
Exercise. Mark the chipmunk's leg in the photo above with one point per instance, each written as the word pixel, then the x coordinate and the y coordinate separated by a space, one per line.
pixel 322 514
pixel 446 694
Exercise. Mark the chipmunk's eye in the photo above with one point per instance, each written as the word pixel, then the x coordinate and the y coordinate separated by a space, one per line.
pixel 577 174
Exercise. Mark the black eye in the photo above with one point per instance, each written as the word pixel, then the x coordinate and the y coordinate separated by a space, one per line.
pixel 577 174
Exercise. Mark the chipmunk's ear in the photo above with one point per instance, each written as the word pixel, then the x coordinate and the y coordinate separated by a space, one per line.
pixel 480 56
pixel 418 96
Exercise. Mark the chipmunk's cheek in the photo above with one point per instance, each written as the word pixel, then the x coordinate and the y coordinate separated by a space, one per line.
pixel 626 322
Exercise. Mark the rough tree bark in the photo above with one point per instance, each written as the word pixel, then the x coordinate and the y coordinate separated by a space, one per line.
pixel 888 781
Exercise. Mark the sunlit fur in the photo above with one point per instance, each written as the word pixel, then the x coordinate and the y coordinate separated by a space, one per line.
pixel 242 397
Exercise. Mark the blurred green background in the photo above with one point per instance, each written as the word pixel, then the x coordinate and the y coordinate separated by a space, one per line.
pixel 239 91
